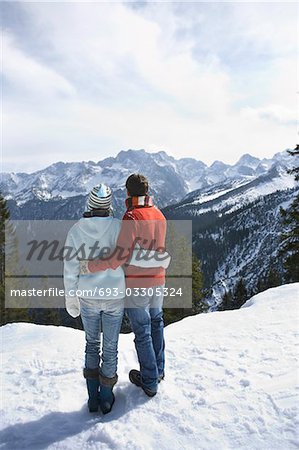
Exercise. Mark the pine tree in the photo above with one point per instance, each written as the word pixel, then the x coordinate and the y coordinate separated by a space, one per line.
pixel 198 304
pixel 7 239
pixel 290 237
pixel 46 316
pixel 182 259
pixel 181 255
pixel 240 295
pixel 4 215
pixel 295 170
pixel 273 278
pixel 260 286
pixel 227 302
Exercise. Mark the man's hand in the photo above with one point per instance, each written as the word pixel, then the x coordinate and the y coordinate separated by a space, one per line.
pixel 150 258
pixel 84 267
pixel 72 305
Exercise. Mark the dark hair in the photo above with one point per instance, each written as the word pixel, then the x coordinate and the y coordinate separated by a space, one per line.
pixel 137 185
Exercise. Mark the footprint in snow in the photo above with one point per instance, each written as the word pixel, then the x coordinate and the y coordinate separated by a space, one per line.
pixel 244 383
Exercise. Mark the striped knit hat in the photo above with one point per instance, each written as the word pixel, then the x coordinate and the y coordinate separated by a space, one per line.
pixel 100 197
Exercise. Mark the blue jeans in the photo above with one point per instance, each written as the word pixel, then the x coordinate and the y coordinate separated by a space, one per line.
pixel 103 317
pixel 146 317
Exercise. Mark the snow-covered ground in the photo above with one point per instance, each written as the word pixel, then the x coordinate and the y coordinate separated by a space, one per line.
pixel 230 384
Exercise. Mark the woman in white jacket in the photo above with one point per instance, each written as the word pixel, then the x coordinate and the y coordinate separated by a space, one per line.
pixel 101 295
pixel 100 312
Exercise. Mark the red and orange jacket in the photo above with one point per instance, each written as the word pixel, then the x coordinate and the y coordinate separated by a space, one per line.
pixel 143 225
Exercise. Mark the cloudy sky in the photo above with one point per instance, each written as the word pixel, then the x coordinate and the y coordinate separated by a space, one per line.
pixel 82 81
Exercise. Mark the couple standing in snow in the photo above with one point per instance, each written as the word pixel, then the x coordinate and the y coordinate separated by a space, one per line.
pixel 129 275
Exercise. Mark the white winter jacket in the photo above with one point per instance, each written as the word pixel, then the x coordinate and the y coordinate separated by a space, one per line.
pixel 85 233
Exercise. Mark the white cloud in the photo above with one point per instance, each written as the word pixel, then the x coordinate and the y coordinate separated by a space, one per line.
pixel 106 77
pixel 28 76
pixel 276 113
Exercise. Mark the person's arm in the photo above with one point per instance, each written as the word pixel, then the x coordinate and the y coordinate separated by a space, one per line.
pixel 121 254
pixel 150 258
pixel 71 272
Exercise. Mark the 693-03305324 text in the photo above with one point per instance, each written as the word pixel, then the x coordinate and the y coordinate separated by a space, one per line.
pixel 99 292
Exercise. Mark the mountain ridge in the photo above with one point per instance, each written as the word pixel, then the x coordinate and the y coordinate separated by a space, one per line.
pixel 232 210
pixel 171 179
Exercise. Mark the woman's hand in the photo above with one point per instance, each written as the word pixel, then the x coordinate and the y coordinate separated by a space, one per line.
pixel 72 305
pixel 84 270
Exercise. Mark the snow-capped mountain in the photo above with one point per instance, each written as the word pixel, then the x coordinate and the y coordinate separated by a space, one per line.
pixel 242 244
pixel 170 179
pixel 65 180
pixel 233 195
pixel 230 384
pixel 234 208
pixel 237 222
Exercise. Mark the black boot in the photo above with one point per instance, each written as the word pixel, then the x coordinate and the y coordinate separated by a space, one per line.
pixel 135 378
pixel 92 383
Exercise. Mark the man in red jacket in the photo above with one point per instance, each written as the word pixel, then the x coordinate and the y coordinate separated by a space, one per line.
pixel 143 226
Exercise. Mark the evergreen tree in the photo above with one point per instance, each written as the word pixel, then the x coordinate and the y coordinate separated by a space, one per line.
pixel 4 215
pixel 227 302
pixel 260 286
pixel 240 295
pixel 198 304
pixel 181 256
pixel 295 170
pixel 46 316
pixel 182 260
pixel 290 237
pixel 7 239
pixel 273 278
pixel 270 279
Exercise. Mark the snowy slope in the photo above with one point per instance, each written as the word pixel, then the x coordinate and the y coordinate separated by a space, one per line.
pixel 229 197
pixel 230 384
